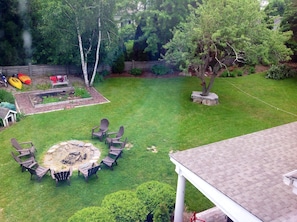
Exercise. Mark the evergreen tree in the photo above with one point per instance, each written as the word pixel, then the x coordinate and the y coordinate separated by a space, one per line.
pixel 12 51
pixel 289 22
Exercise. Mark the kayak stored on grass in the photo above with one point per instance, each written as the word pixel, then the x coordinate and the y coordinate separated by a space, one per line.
pixel 24 78
pixel 15 82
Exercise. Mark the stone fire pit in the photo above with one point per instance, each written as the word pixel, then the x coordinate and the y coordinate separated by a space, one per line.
pixel 71 153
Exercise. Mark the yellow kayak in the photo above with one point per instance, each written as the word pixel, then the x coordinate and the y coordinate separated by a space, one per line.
pixel 15 82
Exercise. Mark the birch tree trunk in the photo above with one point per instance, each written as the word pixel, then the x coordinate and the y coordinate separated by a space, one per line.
pixel 84 64
pixel 97 53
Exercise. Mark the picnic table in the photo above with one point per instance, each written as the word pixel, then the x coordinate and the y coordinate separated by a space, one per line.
pixel 59 80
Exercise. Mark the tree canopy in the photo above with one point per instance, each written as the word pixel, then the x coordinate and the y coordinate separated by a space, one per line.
pixel 289 22
pixel 154 19
pixel 12 50
pixel 80 24
pixel 84 32
pixel 225 32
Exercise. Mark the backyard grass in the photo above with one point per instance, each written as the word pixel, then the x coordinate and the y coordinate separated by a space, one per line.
pixel 154 112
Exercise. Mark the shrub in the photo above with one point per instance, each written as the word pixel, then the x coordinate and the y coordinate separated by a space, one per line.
pixel 160 69
pixel 136 71
pixel 152 200
pixel 20 116
pixel 225 74
pixel 234 73
pixel 92 214
pixel 125 206
pixel 6 96
pixel 252 70
pixel 239 72
pixel 100 76
pixel 161 214
pixel 104 73
pixel 81 92
pixel 278 72
pixel 157 196
pixel 119 64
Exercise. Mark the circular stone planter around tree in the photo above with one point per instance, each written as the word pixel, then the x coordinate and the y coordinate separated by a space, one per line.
pixel 210 100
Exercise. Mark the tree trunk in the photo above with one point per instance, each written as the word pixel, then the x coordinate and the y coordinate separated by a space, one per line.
pixel 200 73
pixel 97 53
pixel 210 84
pixel 84 64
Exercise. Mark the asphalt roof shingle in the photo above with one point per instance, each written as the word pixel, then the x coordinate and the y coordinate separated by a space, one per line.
pixel 249 169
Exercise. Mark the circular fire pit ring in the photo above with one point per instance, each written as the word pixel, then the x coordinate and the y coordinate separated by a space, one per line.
pixel 72 153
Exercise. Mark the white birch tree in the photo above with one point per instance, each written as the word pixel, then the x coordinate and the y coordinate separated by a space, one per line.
pixel 83 23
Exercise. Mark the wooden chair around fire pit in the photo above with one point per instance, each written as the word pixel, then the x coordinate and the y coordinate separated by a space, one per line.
pixel 23 163
pixel 87 170
pixel 110 160
pixel 36 170
pixel 23 148
pixel 100 131
pixel 62 176
pixel 111 140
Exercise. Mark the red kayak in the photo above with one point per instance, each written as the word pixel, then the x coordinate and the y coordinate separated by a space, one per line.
pixel 24 78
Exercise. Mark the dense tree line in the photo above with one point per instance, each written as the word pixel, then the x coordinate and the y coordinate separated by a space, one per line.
pixel 289 22
pixel 86 32
pixel 11 42
pixel 50 31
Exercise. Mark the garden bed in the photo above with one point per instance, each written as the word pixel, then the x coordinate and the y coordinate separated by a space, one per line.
pixel 55 96
pixel 24 105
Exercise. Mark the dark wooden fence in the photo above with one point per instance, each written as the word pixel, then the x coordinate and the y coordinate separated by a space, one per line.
pixel 146 66
pixel 34 70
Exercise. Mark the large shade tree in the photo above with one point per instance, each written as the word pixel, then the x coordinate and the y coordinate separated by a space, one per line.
pixel 218 33
pixel 158 19
pixel 154 20
pixel 289 22
pixel 79 23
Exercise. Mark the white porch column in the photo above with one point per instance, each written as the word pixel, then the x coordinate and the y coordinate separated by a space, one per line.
pixel 180 196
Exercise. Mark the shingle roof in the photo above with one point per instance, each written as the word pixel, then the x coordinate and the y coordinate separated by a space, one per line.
pixel 3 112
pixel 248 169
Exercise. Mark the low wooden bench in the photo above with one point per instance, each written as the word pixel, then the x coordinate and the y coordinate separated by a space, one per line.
pixel 59 80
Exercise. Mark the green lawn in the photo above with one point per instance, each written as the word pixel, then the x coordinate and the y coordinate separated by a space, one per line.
pixel 155 112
